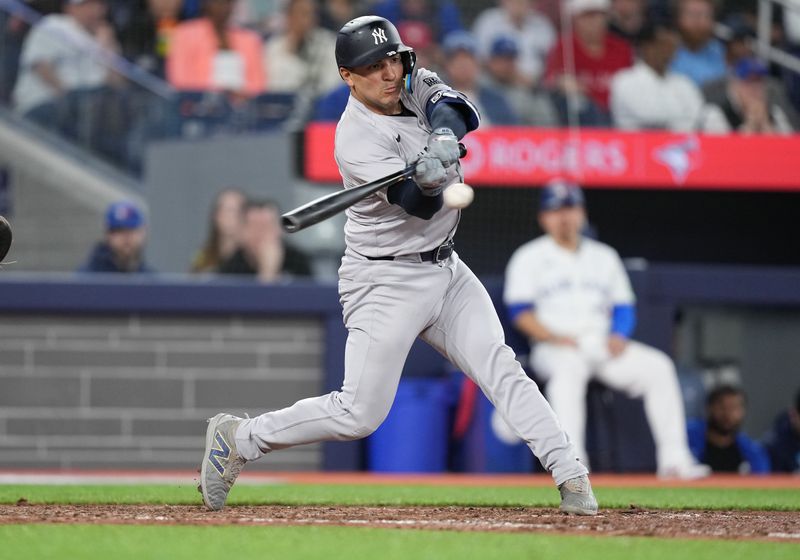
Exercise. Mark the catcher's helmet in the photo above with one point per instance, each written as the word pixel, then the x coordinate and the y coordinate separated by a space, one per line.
pixel 368 39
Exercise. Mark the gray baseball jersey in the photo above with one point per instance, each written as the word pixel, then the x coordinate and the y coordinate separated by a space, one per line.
pixel 387 304
pixel 371 146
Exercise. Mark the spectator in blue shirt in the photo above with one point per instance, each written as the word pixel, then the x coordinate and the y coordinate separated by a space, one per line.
pixel 329 107
pixel 463 69
pixel 719 442
pixel 783 440
pixel 122 248
pixel 701 57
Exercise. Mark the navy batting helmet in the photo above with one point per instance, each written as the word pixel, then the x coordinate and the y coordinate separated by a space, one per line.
pixel 368 39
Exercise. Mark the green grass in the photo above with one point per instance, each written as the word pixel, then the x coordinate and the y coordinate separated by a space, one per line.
pixel 121 542
pixel 104 542
pixel 296 494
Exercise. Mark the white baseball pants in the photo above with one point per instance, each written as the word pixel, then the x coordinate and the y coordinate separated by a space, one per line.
pixel 387 304
pixel 640 371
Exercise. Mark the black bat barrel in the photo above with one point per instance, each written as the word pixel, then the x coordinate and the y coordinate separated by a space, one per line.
pixel 331 204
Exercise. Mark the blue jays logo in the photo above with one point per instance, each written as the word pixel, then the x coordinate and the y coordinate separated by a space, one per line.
pixel 679 157
pixel 217 453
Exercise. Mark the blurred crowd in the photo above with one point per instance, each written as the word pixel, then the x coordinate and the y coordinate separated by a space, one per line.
pixel 244 237
pixel 681 65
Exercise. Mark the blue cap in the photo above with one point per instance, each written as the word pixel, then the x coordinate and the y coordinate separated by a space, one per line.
pixel 560 193
pixel 123 215
pixel 504 46
pixel 749 68
pixel 459 41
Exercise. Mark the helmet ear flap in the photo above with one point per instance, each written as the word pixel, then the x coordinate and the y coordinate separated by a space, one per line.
pixel 409 65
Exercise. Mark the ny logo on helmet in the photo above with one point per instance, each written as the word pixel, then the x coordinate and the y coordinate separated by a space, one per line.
pixel 379 35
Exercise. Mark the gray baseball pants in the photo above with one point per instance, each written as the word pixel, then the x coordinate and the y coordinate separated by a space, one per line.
pixel 386 305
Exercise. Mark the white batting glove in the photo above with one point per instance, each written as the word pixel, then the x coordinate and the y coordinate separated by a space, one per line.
pixel 430 175
pixel 443 144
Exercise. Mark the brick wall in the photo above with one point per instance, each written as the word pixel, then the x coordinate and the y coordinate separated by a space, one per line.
pixel 134 391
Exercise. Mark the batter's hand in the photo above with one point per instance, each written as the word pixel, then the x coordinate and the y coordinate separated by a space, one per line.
pixel 430 175
pixel 617 345
pixel 443 144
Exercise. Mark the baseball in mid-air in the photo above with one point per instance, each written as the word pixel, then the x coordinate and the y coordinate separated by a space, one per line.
pixel 458 195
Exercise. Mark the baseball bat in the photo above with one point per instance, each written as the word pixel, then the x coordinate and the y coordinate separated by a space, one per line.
pixel 331 204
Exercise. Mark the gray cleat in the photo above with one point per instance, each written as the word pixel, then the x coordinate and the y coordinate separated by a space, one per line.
pixel 577 497
pixel 221 463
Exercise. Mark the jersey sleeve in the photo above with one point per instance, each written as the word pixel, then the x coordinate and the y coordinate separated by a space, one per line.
pixel 519 289
pixel 366 156
pixel 621 291
pixel 429 91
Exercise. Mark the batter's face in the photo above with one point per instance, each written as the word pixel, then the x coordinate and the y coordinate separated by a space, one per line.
pixel 564 224
pixel 377 85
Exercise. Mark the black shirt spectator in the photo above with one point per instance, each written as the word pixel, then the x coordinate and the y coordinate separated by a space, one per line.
pixel 295 263
pixel 262 250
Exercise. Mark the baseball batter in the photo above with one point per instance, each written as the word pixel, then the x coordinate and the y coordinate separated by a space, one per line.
pixel 571 296
pixel 400 278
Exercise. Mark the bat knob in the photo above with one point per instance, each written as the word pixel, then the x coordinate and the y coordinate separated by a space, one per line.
pixel 462 150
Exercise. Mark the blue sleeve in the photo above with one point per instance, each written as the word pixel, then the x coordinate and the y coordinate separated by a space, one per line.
pixel 408 196
pixel 466 115
pixel 755 454
pixel 516 309
pixel 623 320
pixel 696 432
pixel 447 116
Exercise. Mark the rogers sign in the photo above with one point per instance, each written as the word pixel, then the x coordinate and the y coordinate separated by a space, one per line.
pixel 521 160
pixel 527 157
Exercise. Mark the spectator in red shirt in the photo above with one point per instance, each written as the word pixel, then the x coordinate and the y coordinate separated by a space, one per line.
pixel 596 53
pixel 210 54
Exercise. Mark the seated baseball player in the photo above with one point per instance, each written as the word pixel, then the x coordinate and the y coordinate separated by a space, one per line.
pixel 570 295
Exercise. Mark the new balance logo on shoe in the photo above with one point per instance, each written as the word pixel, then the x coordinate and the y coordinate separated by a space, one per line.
pixel 223 452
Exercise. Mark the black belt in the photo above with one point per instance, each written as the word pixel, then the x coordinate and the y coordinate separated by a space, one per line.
pixel 441 253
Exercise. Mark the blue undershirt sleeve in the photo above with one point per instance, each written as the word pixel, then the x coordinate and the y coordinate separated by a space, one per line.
pixel 623 320
pixel 448 109
pixel 408 196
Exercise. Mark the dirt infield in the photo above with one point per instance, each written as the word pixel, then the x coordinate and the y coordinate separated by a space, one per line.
pixel 750 525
